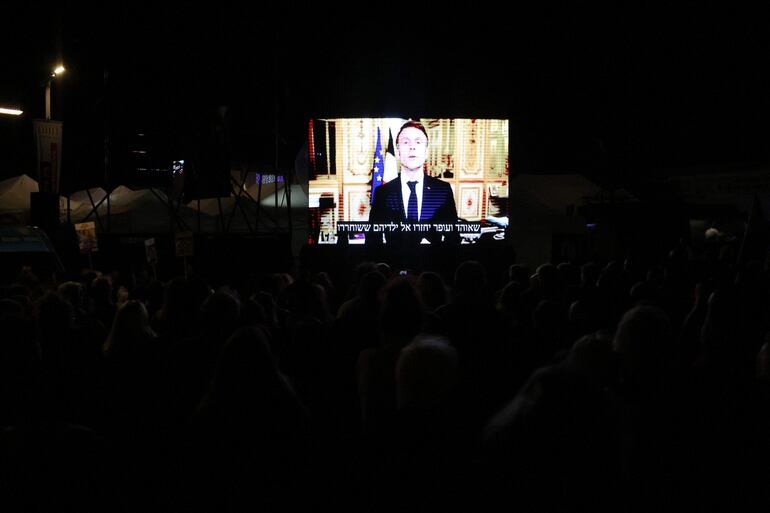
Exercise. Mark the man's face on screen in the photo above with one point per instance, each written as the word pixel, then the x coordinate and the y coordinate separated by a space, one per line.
pixel 412 148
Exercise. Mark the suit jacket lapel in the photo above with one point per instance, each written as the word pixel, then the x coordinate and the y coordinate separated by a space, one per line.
pixel 396 197
pixel 428 198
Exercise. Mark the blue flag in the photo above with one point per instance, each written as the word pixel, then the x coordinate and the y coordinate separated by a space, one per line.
pixel 378 168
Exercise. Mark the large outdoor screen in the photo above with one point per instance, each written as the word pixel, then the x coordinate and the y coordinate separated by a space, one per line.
pixel 432 181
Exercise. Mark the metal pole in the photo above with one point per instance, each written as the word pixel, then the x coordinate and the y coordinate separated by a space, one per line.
pixel 276 113
pixel 109 214
pixel 287 179
pixel 47 99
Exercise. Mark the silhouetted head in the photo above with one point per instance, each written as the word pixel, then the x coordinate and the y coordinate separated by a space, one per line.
pixel 249 395
pixel 384 269
pixel 370 286
pixel 426 373
pixel 470 278
pixel 324 280
pixel 101 290
pixel 643 340
pixel 643 292
pixel 72 292
pixel 246 367
pixel 432 290
pixel 220 315
pixel 548 315
pixel 303 298
pixel 720 327
pixel 593 354
pixel 54 314
pixel 547 277
pixel 401 315
pixel 509 296
pixel 568 274
pixel 177 301
pixel 130 329
pixel 589 274
pixel 519 273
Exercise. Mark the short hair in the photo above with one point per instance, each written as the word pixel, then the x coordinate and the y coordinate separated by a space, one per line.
pixel 412 124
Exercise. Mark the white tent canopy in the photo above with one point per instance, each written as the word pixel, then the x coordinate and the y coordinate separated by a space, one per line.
pixel 14 193
pixel 15 199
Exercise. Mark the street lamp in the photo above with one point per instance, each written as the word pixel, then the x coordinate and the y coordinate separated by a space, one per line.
pixel 11 112
pixel 58 71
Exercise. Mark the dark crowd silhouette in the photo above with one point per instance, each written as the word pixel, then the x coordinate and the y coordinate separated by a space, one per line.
pixel 606 386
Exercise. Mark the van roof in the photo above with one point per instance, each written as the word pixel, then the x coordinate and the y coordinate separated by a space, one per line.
pixel 24 239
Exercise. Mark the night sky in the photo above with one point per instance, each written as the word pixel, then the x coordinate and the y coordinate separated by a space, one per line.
pixel 621 95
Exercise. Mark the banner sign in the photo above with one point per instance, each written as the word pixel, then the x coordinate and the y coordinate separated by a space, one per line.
pixel 86 233
pixel 184 244
pixel 48 140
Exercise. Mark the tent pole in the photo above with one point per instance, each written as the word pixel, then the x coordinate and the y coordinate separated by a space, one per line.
pixel 109 217
pixel 96 208
pixel 221 214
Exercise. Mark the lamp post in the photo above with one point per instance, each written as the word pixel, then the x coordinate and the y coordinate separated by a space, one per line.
pixel 58 71
pixel 48 140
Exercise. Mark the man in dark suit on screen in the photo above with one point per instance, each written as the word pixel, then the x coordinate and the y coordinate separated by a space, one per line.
pixel 414 197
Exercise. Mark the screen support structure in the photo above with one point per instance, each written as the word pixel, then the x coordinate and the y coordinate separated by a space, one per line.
pixel 237 205
pixel 239 191
pixel 241 194
pixel 168 202
pixel 164 199
pixel 95 208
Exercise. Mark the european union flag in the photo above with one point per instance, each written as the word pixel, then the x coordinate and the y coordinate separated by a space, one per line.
pixel 378 168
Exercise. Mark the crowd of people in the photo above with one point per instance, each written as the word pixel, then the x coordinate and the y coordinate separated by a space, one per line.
pixel 609 386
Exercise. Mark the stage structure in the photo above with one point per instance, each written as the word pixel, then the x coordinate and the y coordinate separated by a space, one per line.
pixel 257 204
pixel 203 193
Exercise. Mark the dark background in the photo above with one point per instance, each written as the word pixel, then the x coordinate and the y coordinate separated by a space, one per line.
pixel 624 95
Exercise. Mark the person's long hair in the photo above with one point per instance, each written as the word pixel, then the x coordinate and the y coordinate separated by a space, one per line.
pixel 247 386
pixel 130 328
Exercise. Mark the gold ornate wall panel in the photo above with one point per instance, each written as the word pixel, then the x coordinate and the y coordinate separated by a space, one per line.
pixel 356 202
pixel 470 148
pixel 355 142
pixel 496 149
pixel 470 200
pixel 441 133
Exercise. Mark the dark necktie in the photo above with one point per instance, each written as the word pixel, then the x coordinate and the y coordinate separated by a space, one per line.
pixel 411 211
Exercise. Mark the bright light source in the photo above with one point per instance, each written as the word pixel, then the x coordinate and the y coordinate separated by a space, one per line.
pixel 59 70
pixel 11 112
